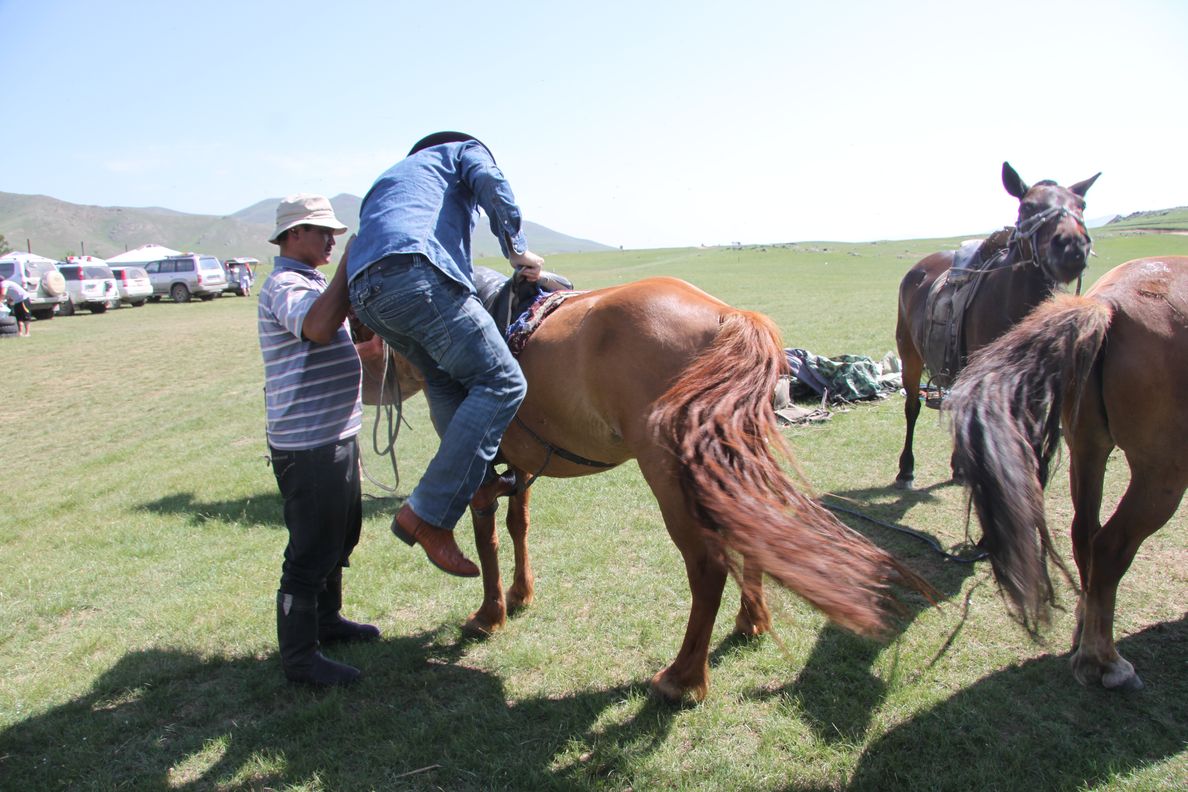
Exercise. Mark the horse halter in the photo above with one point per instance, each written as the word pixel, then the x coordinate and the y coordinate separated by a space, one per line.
pixel 1024 237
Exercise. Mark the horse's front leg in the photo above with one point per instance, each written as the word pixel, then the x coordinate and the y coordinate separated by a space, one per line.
pixel 753 619
pixel 492 614
pixel 523 588
pixel 913 370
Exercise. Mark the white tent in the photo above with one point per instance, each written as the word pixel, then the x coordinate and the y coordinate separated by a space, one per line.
pixel 150 252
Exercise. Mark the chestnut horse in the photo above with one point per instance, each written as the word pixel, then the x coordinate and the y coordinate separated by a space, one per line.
pixel 1047 247
pixel 663 373
pixel 1110 367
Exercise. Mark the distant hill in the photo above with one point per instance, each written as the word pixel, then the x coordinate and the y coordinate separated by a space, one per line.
pixel 1161 220
pixel 56 229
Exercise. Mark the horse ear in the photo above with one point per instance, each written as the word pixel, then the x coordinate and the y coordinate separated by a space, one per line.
pixel 1082 187
pixel 1011 181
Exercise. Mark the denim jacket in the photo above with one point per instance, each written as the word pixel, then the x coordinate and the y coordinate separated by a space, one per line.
pixel 428 204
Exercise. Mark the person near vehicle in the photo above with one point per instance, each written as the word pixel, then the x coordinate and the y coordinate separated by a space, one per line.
pixel 312 383
pixel 412 283
pixel 18 300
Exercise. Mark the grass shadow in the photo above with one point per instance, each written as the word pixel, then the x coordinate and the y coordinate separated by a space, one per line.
pixel 263 510
pixel 1026 726
pixel 419 719
pixel 840 711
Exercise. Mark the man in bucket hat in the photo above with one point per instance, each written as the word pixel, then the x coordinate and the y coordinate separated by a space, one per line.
pixel 312 380
pixel 412 282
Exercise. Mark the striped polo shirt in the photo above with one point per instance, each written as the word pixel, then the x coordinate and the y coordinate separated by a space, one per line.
pixel 311 391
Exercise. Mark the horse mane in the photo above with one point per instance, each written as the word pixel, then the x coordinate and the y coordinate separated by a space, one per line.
pixel 1005 411
pixel 719 423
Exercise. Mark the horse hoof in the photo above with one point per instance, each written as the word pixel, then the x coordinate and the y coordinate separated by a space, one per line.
pixel 480 626
pixel 668 690
pixel 745 628
pixel 904 484
pixel 517 600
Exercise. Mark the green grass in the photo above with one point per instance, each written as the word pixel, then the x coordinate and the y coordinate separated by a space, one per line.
pixel 141 534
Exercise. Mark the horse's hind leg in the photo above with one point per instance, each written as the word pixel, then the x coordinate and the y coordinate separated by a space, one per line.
pixel 1148 503
pixel 688 674
pixel 753 619
pixel 523 586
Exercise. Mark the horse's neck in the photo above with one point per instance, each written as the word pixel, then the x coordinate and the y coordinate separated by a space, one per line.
pixel 1009 292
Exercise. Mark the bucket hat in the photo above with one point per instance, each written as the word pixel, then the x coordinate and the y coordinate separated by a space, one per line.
pixel 305 209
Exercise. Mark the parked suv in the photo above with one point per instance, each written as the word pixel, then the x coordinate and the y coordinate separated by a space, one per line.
pixel 39 277
pixel 90 284
pixel 191 274
pixel 133 284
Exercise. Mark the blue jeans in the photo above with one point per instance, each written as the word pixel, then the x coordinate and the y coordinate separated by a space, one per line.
pixel 473 383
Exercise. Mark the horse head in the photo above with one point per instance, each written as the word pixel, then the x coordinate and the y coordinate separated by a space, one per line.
pixel 1051 226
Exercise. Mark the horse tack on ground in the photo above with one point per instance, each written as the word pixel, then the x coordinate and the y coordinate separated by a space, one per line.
pixel 948 311
pixel 649 371
pixel 1110 368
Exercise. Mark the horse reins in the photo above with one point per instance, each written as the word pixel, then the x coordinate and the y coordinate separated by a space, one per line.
pixel 393 425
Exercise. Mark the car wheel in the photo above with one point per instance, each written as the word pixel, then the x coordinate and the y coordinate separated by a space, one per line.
pixel 155 298
pixel 207 297
pixel 137 303
pixel 180 293
pixel 43 314
pixel 97 308
pixel 67 308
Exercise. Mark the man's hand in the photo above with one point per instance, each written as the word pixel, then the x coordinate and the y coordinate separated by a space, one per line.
pixel 528 265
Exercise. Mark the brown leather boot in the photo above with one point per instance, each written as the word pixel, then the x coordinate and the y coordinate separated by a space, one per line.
pixel 438 543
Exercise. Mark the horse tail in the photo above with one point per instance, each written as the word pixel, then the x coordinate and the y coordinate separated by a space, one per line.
pixel 1005 411
pixel 719 422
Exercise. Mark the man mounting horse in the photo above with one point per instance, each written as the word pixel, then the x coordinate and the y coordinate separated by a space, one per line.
pixel 651 371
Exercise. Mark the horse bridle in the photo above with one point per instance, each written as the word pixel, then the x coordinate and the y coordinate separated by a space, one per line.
pixel 1023 236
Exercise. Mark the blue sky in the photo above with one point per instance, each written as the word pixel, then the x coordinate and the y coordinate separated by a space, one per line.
pixel 642 124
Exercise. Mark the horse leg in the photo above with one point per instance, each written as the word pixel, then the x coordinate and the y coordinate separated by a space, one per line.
pixel 1089 447
pixel 1148 503
pixel 523 587
pixel 753 619
pixel 688 674
pixel 913 369
pixel 492 614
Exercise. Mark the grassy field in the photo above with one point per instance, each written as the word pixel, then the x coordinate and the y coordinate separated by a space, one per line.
pixel 141 533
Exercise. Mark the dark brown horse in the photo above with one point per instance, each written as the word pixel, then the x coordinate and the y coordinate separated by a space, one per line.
pixel 1109 367
pixel 1047 247
pixel 663 373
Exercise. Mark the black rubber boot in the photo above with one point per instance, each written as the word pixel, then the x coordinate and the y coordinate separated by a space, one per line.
pixel 332 627
pixel 297 632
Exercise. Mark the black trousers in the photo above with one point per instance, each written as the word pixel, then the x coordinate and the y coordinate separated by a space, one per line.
pixel 323 512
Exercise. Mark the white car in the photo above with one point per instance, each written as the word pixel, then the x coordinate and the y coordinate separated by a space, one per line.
pixel 39 277
pixel 90 284
pixel 133 283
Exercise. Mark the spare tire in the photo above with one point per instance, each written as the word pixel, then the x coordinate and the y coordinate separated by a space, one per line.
pixel 53 283
pixel 8 326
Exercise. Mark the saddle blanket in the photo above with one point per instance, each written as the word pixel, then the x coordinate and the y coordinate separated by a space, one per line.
pixel 522 329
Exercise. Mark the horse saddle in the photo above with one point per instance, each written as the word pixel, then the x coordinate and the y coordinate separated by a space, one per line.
pixel 943 345
pixel 507 298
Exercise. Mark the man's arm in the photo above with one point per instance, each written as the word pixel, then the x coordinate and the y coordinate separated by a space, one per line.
pixel 329 311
